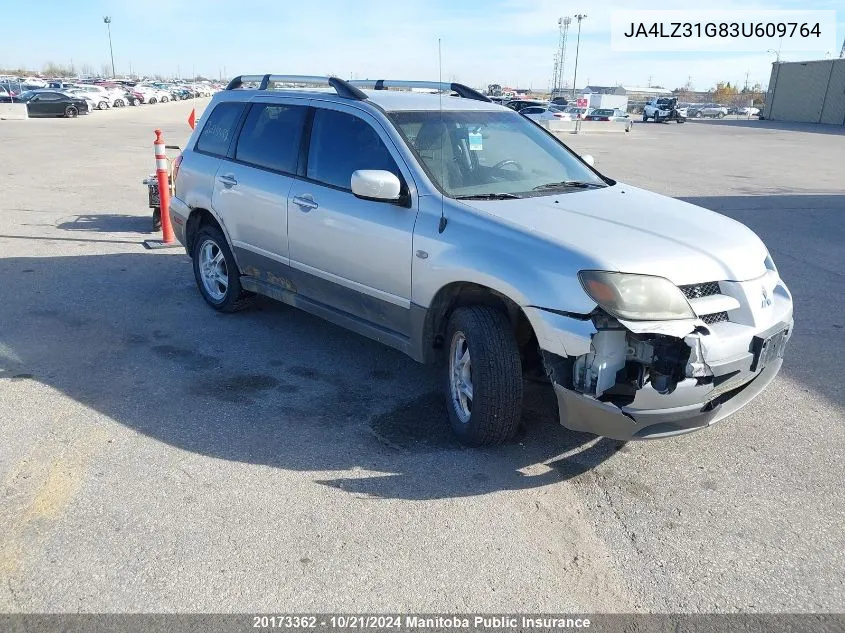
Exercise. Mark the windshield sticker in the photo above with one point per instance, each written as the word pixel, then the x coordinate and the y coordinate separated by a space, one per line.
pixel 475 144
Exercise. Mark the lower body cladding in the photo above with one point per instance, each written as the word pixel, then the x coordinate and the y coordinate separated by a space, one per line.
pixel 632 386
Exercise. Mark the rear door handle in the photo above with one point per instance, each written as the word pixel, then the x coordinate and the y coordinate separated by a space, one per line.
pixel 228 179
pixel 305 202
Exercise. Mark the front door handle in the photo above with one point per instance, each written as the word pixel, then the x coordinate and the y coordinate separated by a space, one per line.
pixel 305 202
pixel 228 180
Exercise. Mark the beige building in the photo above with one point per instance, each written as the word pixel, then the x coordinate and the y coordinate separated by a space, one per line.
pixel 810 92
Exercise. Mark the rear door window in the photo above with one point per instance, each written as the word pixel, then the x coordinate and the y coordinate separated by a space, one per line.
pixel 271 136
pixel 342 143
pixel 220 128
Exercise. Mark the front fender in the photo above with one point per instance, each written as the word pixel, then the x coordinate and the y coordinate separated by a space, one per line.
pixel 531 272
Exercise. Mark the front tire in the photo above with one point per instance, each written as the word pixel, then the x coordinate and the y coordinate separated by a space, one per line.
pixel 483 376
pixel 152 100
pixel 164 99
pixel 645 118
pixel 102 105
pixel 216 272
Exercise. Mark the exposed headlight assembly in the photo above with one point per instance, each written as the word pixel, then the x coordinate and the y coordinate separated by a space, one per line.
pixel 636 297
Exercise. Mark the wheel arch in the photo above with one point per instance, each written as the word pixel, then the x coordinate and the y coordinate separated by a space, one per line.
pixel 462 294
pixel 198 218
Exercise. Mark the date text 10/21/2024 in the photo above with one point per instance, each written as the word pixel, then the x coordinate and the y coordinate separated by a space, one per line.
pixel 417 622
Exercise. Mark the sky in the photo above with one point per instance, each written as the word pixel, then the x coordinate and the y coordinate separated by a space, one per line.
pixel 509 42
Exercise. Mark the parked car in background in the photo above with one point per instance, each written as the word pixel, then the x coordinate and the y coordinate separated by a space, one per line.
pixel 748 111
pixel 712 110
pixel 665 109
pixel 90 99
pixel 560 101
pixel 519 104
pixel 546 113
pixel 151 94
pixel 611 115
pixel 577 113
pixel 17 87
pixel 53 103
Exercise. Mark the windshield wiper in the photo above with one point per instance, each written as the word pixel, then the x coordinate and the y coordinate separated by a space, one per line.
pixel 488 196
pixel 567 184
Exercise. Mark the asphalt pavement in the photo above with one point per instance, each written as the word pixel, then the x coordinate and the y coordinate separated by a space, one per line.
pixel 158 456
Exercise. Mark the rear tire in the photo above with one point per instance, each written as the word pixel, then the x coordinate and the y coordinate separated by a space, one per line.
pixel 645 118
pixel 71 112
pixel 164 99
pixel 483 376
pixel 216 272
pixel 102 105
pixel 118 103
pixel 152 100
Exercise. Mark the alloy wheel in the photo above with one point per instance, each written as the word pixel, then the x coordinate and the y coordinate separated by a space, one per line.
pixel 460 374
pixel 213 270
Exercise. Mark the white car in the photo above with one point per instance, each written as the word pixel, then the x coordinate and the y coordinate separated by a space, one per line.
pixel 152 94
pixel 546 113
pixel 748 111
pixel 665 109
pixel 103 97
pixel 577 113
pixel 91 99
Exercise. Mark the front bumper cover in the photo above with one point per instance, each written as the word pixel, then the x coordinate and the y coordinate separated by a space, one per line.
pixel 640 421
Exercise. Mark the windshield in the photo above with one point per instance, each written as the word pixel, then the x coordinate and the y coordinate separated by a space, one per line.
pixel 477 153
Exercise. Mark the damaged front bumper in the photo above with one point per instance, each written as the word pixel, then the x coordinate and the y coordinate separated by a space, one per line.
pixel 630 381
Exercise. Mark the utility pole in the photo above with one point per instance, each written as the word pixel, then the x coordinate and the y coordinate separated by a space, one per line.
pixel 560 56
pixel 107 20
pixel 578 17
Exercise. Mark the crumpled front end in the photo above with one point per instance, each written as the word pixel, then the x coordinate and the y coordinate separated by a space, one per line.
pixel 645 380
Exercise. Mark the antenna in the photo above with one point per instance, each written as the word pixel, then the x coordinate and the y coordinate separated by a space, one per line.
pixel 442 226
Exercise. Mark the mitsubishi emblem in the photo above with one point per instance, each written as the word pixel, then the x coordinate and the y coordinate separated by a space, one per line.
pixel 767 300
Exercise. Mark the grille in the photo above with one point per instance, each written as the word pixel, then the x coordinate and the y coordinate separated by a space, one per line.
pixel 716 317
pixel 696 291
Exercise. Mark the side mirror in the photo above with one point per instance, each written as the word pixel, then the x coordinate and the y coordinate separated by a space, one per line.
pixel 376 184
pixel 588 158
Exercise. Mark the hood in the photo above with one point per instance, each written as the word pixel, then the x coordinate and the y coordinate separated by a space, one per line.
pixel 636 231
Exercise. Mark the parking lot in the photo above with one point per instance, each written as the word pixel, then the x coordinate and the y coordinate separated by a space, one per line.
pixel 159 456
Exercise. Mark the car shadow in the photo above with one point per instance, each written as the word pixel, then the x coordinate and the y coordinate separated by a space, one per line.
pixel 129 336
pixel 109 223
pixel 765 124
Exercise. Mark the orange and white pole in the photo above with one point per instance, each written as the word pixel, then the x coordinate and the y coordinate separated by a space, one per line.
pixel 167 236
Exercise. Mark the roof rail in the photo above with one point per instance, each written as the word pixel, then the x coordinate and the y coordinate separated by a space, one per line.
pixel 383 84
pixel 343 88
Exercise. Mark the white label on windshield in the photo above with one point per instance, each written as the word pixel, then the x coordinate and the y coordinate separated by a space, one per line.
pixel 475 144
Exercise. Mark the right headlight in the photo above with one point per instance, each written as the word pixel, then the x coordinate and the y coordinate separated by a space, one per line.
pixel 636 297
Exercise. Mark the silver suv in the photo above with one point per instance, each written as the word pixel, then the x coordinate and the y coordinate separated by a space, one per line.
pixel 457 230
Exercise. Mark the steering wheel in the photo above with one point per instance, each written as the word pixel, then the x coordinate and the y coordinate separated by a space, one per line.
pixel 504 163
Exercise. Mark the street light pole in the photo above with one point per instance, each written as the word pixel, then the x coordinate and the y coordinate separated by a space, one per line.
pixel 578 17
pixel 107 20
